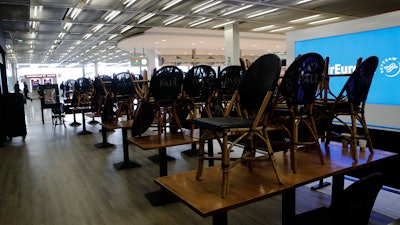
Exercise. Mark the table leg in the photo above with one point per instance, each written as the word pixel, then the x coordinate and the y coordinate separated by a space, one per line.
pixel 74 123
pixel 161 197
pixel 84 131
pixel 104 143
pixel 337 186
pixel 126 164
pixel 220 219
pixel 288 206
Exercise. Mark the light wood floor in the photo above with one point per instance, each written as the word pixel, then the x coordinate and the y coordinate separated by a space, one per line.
pixel 55 177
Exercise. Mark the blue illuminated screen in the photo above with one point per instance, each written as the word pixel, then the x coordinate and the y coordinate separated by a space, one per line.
pixel 344 50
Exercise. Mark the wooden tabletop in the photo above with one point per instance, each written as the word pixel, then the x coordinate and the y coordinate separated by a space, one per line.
pixel 204 196
pixel 117 124
pixel 166 140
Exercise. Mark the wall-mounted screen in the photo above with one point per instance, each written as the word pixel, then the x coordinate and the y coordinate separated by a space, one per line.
pixel 344 50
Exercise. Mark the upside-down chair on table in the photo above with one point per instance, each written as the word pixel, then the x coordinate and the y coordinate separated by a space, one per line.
pixel 255 92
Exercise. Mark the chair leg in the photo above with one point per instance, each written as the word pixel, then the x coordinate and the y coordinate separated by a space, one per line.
pixel 366 133
pixel 200 164
pixel 293 149
pixel 225 166
pixel 313 130
pixel 353 139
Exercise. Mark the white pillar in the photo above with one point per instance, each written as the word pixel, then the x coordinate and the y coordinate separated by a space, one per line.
pixel 151 54
pixel 232 44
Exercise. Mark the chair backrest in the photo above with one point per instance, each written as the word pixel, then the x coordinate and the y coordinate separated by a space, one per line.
pixel 102 84
pixel 166 83
pixel 359 82
pixel 122 84
pixel 200 82
pixel 259 78
pixel 229 79
pixel 69 85
pixel 82 84
pixel 300 82
pixel 355 204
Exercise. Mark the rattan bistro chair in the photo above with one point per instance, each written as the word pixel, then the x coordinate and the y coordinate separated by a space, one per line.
pixel 254 92
pixel 351 102
pixel 298 88
pixel 353 206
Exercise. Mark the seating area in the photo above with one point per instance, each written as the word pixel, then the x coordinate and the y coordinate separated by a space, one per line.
pixel 239 111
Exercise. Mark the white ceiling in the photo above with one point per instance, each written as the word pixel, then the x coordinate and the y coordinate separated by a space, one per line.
pixel 50 42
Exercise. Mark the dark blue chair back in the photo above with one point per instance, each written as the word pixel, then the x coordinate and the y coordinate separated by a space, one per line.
pixel 359 82
pixel 98 84
pixel 229 79
pixel 261 77
pixel 122 84
pixel 166 84
pixel 82 84
pixel 200 82
pixel 300 82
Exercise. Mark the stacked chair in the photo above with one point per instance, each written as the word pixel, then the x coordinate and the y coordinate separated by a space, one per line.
pixel 254 95
pixel 83 91
pixel 294 102
pixel 351 102
pixel 165 88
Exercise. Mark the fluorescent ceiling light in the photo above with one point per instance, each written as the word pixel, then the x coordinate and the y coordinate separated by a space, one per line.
pixel 125 29
pixel 281 29
pixel 264 28
pixel 172 3
pixel 128 3
pixel 97 27
pixel 67 26
pixel 205 6
pixel 198 22
pixel 112 36
pixel 324 21
pixel 303 1
pixel 146 17
pixel 260 13
pixel 75 12
pixel 237 10
pixel 61 35
pixel 112 15
pixel 304 19
pixel 173 19
pixel 223 24
pixel 86 36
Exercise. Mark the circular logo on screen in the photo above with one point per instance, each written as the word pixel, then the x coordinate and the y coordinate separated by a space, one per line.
pixel 390 67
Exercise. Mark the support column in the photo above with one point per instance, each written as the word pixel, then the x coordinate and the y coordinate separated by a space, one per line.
pixel 96 69
pixel 151 64
pixel 232 44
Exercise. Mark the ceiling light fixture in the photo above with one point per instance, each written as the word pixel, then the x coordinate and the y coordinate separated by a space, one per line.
pixel 303 1
pixel 264 28
pixel 173 19
pixel 112 15
pixel 146 17
pixel 86 36
pixel 169 5
pixel 281 29
pixel 67 26
pixel 61 35
pixel 200 21
pixel 125 29
pixel 304 19
pixel 97 27
pixel 324 21
pixel 128 3
pixel 237 10
pixel 73 13
pixel 205 6
pixel 112 36
pixel 260 13
pixel 223 24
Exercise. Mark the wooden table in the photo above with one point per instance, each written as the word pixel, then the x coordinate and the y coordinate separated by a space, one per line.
pixel 150 142
pixel 124 125
pixel 204 197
